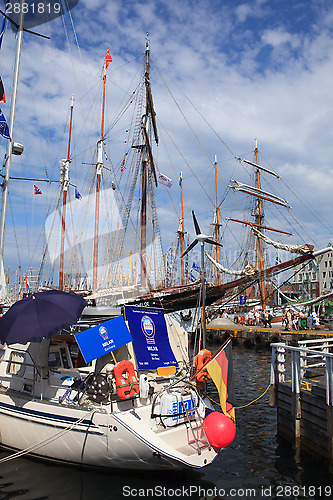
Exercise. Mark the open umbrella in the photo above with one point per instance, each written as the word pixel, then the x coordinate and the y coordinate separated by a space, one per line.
pixel 39 316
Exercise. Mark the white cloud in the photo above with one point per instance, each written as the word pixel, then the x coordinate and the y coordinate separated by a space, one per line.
pixel 282 98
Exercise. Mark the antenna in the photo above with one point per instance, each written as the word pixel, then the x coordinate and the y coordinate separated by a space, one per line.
pixel 202 238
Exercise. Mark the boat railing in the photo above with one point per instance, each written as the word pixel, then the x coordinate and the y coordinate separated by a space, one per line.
pixel 302 365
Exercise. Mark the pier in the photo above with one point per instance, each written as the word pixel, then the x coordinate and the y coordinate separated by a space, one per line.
pixel 260 336
pixel 302 390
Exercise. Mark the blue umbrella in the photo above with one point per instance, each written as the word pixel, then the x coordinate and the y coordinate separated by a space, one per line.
pixel 39 316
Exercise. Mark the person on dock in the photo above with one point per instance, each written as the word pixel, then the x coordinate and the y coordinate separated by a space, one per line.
pixel 257 316
pixel 289 319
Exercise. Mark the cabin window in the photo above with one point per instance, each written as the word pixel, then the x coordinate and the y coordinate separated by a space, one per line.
pixel 325 263
pixel 324 274
pixel 330 263
pixel 14 366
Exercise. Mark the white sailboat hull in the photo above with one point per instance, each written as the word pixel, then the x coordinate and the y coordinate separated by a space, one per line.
pixel 95 437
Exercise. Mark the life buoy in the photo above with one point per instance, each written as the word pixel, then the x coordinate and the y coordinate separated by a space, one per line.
pixel 126 381
pixel 199 360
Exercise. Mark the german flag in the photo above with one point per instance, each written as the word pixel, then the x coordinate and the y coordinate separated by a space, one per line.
pixel 220 368
pixel 2 92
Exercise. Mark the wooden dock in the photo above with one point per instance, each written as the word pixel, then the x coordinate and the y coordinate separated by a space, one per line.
pixel 260 336
pixel 302 390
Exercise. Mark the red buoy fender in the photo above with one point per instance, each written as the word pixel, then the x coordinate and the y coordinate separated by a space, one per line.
pixel 126 381
pixel 219 429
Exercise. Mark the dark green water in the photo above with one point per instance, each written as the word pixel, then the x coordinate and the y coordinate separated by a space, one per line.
pixel 255 465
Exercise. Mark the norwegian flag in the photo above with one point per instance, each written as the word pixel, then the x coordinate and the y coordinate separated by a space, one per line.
pixel 37 190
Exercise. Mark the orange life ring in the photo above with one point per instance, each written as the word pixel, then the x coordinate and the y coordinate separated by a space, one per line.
pixel 126 381
pixel 199 360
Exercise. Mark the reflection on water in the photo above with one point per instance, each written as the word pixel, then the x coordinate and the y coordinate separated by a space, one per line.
pixel 255 465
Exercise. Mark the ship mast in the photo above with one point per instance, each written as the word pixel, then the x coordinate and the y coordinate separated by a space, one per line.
pixel 181 231
pixel 147 158
pixel 259 195
pixel 259 217
pixel 217 224
pixel 99 167
pixel 65 180
pixel 8 153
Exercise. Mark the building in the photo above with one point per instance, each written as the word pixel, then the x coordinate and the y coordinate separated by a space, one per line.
pixel 305 280
pixel 326 272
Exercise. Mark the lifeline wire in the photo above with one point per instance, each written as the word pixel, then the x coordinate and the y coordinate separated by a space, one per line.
pixel 46 441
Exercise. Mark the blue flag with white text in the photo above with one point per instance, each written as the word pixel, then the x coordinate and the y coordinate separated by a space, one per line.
pixel 150 338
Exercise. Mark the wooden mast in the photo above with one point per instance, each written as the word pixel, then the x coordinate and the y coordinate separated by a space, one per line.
pixel 65 180
pixel 143 256
pixel 217 222
pixel 181 231
pixel 147 157
pixel 99 167
pixel 259 217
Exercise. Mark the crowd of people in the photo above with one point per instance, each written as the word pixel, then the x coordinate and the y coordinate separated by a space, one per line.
pixel 291 320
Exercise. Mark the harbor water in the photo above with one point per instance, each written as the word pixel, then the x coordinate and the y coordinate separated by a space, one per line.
pixel 256 465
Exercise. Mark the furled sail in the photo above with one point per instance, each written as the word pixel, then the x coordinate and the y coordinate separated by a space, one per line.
pixel 283 246
pixel 249 269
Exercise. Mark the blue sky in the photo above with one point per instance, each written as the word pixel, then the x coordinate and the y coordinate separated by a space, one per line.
pixel 254 70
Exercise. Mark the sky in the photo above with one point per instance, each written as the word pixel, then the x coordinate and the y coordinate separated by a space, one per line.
pixel 223 74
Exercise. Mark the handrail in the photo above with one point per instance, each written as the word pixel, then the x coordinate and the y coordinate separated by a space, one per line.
pixel 278 367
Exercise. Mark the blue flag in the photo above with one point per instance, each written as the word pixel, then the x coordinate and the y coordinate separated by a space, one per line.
pixel 242 299
pixel 3 27
pixel 4 130
pixel 150 338
pixel 77 194
pixel 196 267
pixel 192 278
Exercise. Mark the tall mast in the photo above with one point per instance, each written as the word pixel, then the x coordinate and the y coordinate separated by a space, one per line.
pixel 8 154
pixel 217 222
pixel 259 216
pixel 65 179
pixel 99 167
pixel 144 181
pixel 147 157
pixel 181 231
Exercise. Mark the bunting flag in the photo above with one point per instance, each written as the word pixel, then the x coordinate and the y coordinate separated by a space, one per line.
pixel 107 61
pixel 4 130
pixel 220 368
pixel 37 190
pixel 77 194
pixel 27 285
pixel 122 166
pixel 163 179
pixel 2 92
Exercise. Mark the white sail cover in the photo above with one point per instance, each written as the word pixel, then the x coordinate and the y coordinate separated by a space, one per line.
pixel 249 269
pixel 283 246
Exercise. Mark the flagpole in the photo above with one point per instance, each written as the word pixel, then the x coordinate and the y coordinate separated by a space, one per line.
pixel 8 154
pixel 203 285
pixel 65 166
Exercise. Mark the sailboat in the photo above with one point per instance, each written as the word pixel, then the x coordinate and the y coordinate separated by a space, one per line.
pixel 120 393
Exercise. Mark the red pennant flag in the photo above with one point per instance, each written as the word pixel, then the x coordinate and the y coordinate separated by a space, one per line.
pixel 37 190
pixel 2 92
pixel 107 61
